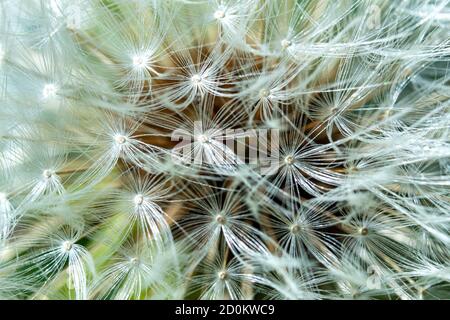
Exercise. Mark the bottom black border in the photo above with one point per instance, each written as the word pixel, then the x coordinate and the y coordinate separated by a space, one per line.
pixel 264 310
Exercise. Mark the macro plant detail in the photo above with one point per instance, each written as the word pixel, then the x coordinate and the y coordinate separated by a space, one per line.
pixel 224 149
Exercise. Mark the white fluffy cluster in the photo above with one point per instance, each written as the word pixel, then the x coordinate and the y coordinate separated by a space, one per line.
pixel 97 202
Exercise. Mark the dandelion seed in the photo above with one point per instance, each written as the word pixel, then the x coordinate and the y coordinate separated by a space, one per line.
pixel 50 91
pixel 289 160
pixel 364 231
pixel 197 79
pixel 135 261
pixel 59 248
pixel 138 199
pixel 67 246
pixel 49 183
pixel 285 43
pixel 203 138
pixel 220 219
pixel 264 93
pixel 213 221
pixel 200 84
pixel 223 275
pixel 295 229
pixel 219 14
pixel 140 61
pixel 135 268
pixel 120 139
pixel 48 173
pixel 223 279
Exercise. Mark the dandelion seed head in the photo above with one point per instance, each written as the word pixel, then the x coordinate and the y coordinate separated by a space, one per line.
pixel 352 121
